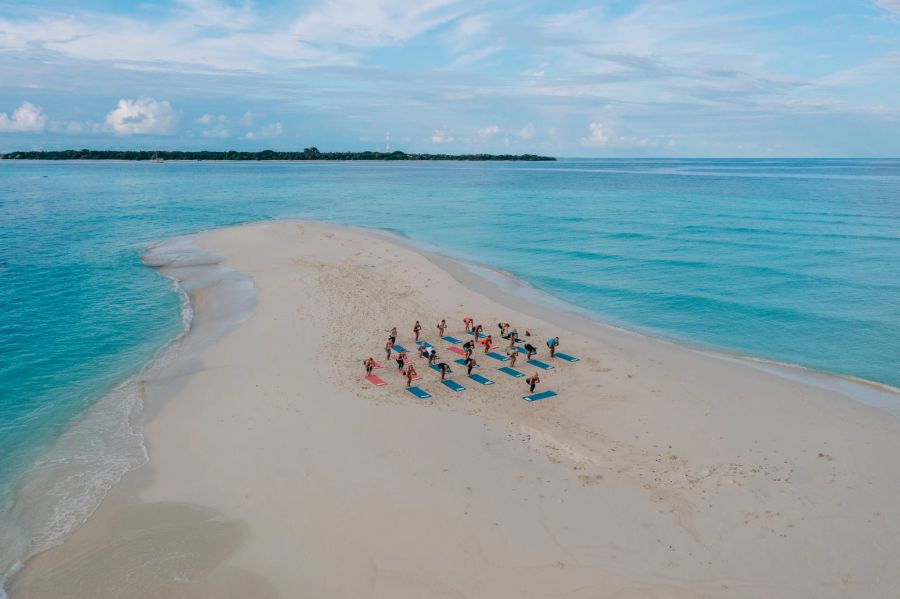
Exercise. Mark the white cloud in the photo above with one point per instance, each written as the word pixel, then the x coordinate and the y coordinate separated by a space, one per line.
pixel 208 119
pixel 371 23
pixel 273 130
pixel 267 132
pixel 441 136
pixel 488 132
pixel 597 135
pixel 247 119
pixel 890 5
pixel 141 117
pixel 26 117
pixel 217 132
pixel 527 132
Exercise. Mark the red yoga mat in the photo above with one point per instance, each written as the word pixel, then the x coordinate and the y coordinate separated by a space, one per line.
pixel 456 351
pixel 375 380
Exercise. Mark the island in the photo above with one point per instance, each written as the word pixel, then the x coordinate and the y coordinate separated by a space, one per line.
pixel 306 154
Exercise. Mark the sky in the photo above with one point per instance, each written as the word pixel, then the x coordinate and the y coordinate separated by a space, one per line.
pixel 614 78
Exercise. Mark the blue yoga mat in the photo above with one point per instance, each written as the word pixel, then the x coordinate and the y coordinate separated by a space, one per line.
pixel 540 365
pixel 435 367
pixel 461 362
pixel 537 396
pixel 450 339
pixel 511 372
pixel 480 335
pixel 453 385
pixel 566 357
pixel 497 356
pixel 398 348
pixel 420 393
pixel 480 379
pixel 419 343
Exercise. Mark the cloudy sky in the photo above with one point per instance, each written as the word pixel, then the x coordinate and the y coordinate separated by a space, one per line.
pixel 602 78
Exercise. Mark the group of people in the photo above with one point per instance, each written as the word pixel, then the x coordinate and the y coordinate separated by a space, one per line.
pixel 429 352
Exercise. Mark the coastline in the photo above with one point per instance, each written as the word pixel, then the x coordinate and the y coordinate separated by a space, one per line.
pixel 74 476
pixel 559 450
pixel 507 289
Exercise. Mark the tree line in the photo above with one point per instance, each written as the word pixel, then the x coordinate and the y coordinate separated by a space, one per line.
pixel 306 154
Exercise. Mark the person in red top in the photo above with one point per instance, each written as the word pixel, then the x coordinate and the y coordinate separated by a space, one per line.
pixel 369 364
pixel 468 322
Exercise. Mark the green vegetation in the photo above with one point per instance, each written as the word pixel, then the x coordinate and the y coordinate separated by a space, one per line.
pixel 306 154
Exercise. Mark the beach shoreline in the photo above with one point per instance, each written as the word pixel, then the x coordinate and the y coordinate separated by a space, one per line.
pixel 549 442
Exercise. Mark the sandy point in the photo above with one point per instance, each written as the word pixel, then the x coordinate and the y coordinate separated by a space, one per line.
pixel 277 470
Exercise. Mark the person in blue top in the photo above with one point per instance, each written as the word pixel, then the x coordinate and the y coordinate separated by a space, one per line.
pixel 552 343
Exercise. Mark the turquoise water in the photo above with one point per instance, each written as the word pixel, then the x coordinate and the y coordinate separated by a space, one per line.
pixel 792 260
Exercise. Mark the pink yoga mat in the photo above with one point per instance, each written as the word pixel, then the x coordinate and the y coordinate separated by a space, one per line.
pixel 375 380
pixel 456 351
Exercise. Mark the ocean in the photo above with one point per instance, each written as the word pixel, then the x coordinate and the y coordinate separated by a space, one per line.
pixel 793 261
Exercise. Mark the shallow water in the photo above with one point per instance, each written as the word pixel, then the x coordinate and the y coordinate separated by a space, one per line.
pixel 791 260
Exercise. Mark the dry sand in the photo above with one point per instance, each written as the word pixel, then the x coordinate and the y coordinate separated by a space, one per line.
pixel 658 471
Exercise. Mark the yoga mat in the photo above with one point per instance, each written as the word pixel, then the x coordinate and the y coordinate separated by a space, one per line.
pixel 420 393
pixel 462 362
pixel 566 357
pixel 453 385
pixel 480 379
pixel 375 380
pixel 537 396
pixel 450 339
pixel 428 345
pixel 540 365
pixel 398 348
pixel 456 351
pixel 497 356
pixel 511 372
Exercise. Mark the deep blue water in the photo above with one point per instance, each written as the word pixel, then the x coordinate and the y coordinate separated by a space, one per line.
pixel 792 260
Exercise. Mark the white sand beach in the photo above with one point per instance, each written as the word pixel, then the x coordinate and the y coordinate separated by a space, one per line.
pixel 657 471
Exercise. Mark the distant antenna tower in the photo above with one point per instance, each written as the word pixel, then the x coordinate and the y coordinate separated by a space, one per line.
pixel 387 142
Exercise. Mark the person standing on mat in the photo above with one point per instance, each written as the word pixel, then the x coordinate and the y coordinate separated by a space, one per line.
pixel 530 350
pixel 417 328
pixel 512 357
pixel 533 380
pixel 410 373
pixel 552 343
pixel 467 347
pixel 388 346
pixel 369 364
pixel 442 327
pixel 470 364
pixel 468 322
pixel 445 368
pixel 478 330
pixel 432 355
pixel 487 344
